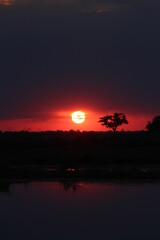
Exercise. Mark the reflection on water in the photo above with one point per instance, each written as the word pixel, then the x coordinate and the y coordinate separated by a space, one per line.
pixel 67 185
pixel 82 6
pixel 71 185
pixel 70 210
pixel 6 2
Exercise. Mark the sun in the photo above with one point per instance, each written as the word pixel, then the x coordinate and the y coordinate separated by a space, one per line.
pixel 78 117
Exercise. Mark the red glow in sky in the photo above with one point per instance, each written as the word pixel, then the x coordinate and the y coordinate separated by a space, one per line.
pixel 62 120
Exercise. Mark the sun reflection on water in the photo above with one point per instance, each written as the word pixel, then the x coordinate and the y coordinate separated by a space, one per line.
pixel 6 2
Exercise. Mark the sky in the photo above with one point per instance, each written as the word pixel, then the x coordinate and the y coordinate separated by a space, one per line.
pixel 59 56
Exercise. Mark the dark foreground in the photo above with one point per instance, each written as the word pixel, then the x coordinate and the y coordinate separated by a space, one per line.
pixel 76 155
pixel 95 172
pixel 80 210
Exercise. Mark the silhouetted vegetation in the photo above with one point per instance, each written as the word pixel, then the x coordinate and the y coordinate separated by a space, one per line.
pixel 78 154
pixel 154 126
pixel 113 121
pixel 72 148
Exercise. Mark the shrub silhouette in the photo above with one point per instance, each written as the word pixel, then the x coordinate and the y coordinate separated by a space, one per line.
pixel 113 121
pixel 154 126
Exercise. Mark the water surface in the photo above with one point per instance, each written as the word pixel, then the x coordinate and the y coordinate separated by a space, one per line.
pixel 53 210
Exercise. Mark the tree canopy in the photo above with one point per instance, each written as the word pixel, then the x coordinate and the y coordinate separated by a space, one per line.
pixel 154 126
pixel 113 121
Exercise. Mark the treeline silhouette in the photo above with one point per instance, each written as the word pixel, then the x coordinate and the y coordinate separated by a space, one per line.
pixel 74 147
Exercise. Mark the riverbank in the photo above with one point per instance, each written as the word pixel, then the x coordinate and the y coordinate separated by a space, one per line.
pixel 108 172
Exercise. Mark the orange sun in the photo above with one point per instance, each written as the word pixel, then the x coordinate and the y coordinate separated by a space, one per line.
pixel 78 117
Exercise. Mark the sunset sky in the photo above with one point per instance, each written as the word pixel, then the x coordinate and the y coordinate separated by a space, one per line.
pixel 59 56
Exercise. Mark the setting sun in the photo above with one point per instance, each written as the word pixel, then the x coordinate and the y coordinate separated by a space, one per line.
pixel 78 117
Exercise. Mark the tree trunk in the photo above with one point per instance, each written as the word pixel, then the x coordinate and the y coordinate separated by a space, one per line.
pixel 114 130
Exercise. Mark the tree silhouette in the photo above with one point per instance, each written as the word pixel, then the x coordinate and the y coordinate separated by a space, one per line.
pixel 154 126
pixel 113 121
